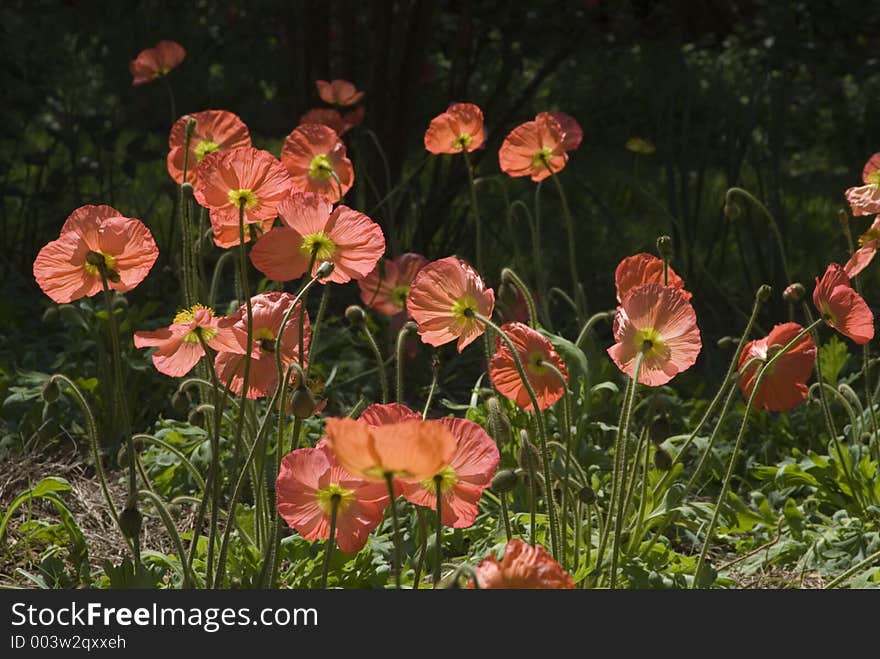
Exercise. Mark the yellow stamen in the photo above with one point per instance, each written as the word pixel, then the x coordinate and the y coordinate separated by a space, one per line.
pixel 325 498
pixel 189 315
pixel 320 167
pixel 109 264
pixel 204 147
pixel 398 295
pixel 462 142
pixel 650 342
pixel 447 480
pixel 247 196
pixel 461 306
pixel 542 157
pixel 319 244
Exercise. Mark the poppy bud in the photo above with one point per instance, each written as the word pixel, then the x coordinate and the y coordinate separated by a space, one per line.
pixel 504 481
pixel 187 189
pixel 843 217
pixel 50 315
pixel 664 247
pixel 355 315
pixel 662 460
pixel 325 269
pixel 180 402
pixel 731 210
pixel 794 293
pixel 411 326
pixel 587 495
pixel 660 429
pixel 302 403
pixel 727 342
pixel 507 293
pixel 499 424
pixel 196 417
pixel 130 521
pixel 189 127
pixel 528 458
pixel 763 293
pixel 50 391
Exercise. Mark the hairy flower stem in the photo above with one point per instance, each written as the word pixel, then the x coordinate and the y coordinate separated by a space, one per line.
pixel 588 326
pixel 438 562
pixel 508 275
pixel 398 362
pixel 579 296
pixel 505 515
pixel 539 422
pixel 475 210
pixel 395 525
pixel 748 196
pixel 423 546
pixel 380 362
pixel 318 324
pixel 566 438
pixel 722 495
pixel 328 547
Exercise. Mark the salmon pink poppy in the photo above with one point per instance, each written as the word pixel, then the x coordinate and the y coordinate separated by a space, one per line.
pixel 247 178
pixel 785 386
pixel 215 130
pixel 523 567
pixel 268 312
pixel 315 231
pixel 573 133
pixel 341 123
pixel 869 243
pixel 381 414
pixel 535 353
pixel 865 199
pixel 153 63
pixel 534 148
pixel 442 299
pixel 458 129
pixel 644 268
pixel 658 322
pixel 315 158
pixel 841 307
pixel 310 480
pixel 338 92
pixel 386 288
pixel 413 449
pixel 470 471
pixel 179 348
pixel 95 238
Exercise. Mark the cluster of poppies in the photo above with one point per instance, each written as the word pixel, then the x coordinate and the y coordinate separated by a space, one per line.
pixel 292 210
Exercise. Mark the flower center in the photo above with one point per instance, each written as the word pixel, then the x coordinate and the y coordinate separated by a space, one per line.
pixel 535 363
pixel 243 196
pixel 204 147
pixel 446 478
pixel 185 316
pixel 265 338
pixel 542 157
pixel 398 296
pixel 869 236
pixel 326 496
pixel 873 178
pixel 462 142
pixel 320 167
pixel 650 342
pixel 319 244
pixel 827 316
pixel 95 260
pixel 463 310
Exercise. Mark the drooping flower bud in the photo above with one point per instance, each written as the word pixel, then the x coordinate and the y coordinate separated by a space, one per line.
pixel 504 481
pixel 355 315
pixel 587 495
pixel 50 391
pixel 302 403
pixel 764 292
pixel 325 269
pixel 131 521
pixel 664 248
pixel 794 293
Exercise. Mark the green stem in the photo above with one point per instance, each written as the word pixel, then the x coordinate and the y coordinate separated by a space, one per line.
pixel 505 515
pixel 475 211
pixel 572 250
pixel 705 457
pixel 643 502
pixel 380 363
pixel 188 576
pixel 439 539
pixel 328 551
pixel 770 220
pixel 507 274
pixel 423 546
pixel 395 525
pixel 400 347
pixel 873 558
pixel 435 374
pixel 319 321
pixel 588 326
pixel 566 437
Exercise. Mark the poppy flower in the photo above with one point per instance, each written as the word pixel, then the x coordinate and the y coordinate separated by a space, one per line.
pixel 441 299
pixel 644 268
pixel 458 129
pixel 470 471
pixel 348 238
pixel 92 238
pixel 841 307
pixel 226 180
pixel 865 199
pixel 307 483
pixel 268 312
pixel 659 322
pixel 535 352
pixel 386 288
pixel 414 449
pixel 869 243
pixel 785 386
pixel 179 345
pixel 573 133
pixel 338 92
pixel 215 130
pixel 534 148
pixel 523 567
pixel 341 123
pixel 381 414
pixel 315 158
pixel 153 63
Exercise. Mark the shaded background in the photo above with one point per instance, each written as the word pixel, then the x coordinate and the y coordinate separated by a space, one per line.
pixel 779 98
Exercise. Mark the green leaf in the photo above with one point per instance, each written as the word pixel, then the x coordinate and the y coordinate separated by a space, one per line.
pixel 832 358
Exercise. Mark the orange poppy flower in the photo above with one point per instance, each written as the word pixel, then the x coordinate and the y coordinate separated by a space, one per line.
pixel 268 312
pixel 413 449
pixel 572 131
pixel 153 63
pixel 660 322
pixel 307 483
pixel 534 148
pixel 215 130
pixel 386 288
pixel 523 567
pixel 865 199
pixel 179 345
pixel 785 386
pixel 458 129
pixel 644 268
pixel 226 179
pixel 315 158
pixel 341 123
pixel 351 240
pixel 535 352
pixel 338 92
pixel 841 307
pixel 441 297
pixel 869 243
pixel 94 236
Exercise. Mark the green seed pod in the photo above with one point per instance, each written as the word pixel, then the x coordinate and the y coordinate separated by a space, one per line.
pixel 504 481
